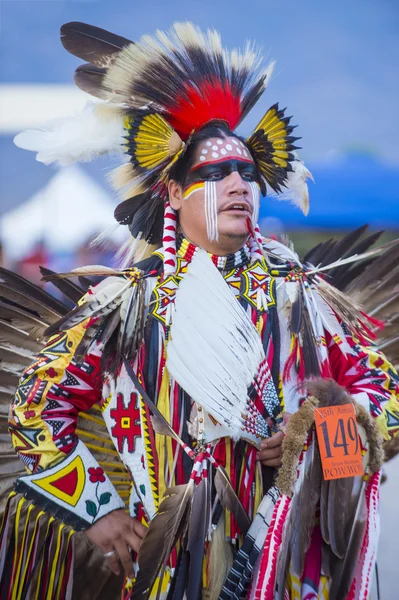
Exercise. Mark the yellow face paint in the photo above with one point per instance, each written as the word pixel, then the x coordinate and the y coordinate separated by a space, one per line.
pixel 194 187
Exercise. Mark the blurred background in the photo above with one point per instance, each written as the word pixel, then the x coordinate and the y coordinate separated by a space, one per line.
pixel 337 72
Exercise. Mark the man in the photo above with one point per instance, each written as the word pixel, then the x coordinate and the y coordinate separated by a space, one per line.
pixel 191 358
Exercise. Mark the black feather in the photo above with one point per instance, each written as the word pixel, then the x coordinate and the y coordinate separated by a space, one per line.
pixel 89 79
pixel 126 210
pixel 296 314
pixel 343 247
pixel 310 356
pixel 92 44
pixel 149 221
pixel 31 290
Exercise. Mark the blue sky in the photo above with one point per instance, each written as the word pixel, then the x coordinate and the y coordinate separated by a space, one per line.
pixel 336 70
pixel 336 61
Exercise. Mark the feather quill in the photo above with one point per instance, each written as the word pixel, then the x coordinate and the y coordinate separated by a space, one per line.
pixel 88 270
pixel 69 289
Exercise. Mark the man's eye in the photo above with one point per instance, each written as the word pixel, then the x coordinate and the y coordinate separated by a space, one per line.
pixel 214 176
pixel 248 176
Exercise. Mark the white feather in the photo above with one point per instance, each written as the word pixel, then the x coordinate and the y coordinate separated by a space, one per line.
pixel 296 188
pixel 97 130
pixel 215 350
pixel 281 251
pixel 330 321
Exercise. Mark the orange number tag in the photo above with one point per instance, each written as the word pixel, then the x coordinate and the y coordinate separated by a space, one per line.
pixel 339 442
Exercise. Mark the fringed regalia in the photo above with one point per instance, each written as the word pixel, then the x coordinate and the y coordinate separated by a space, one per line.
pixel 154 393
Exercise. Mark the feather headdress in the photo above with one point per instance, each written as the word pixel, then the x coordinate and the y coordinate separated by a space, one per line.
pixel 156 93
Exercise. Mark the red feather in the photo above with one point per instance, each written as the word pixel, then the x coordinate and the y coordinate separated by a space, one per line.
pixel 213 101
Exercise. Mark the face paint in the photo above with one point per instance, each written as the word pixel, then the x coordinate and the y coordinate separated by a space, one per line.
pixel 210 205
pixel 211 211
pixel 191 189
pixel 218 159
pixel 255 201
pixel 224 147
pixel 219 169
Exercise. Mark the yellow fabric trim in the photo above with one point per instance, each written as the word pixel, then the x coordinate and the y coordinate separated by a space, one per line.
pixel 61 576
pixel 258 487
pixel 19 551
pixel 149 454
pixel 164 586
pixel 100 449
pixel 53 570
pixel 27 558
pixel 50 521
pixel 114 465
pixel 163 443
pixel 92 436
pixel 96 420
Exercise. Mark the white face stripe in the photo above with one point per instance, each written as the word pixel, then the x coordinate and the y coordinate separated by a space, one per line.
pixel 211 213
pixel 256 202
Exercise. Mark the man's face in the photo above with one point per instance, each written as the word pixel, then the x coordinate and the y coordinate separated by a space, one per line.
pixel 220 194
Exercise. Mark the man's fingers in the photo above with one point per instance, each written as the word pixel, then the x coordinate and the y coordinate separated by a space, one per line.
pixel 272 462
pixel 123 553
pixel 275 440
pixel 112 560
pixel 133 540
pixel 269 453
pixel 139 528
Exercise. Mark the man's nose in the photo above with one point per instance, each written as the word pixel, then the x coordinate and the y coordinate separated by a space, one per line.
pixel 236 184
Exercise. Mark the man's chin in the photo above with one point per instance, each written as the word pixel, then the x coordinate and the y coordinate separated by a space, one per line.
pixel 234 234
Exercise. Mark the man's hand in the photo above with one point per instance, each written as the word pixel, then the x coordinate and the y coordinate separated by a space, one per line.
pixel 117 532
pixel 271 450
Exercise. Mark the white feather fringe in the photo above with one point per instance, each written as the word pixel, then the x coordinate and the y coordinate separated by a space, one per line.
pixel 97 130
pixel 215 351
pixel 296 188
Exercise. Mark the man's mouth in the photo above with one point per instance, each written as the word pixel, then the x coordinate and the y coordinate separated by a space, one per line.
pixel 239 207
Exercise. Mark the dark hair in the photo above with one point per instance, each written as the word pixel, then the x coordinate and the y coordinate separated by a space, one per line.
pixel 182 166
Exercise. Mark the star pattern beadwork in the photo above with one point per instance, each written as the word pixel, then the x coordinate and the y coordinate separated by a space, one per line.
pixel 257 281
pixel 164 295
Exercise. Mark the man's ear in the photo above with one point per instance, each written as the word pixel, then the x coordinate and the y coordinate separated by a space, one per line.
pixel 175 194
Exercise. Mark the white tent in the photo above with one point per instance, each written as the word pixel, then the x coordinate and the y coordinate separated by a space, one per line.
pixel 62 215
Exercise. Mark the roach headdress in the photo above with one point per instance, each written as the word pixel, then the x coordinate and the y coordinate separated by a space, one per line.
pixel 154 95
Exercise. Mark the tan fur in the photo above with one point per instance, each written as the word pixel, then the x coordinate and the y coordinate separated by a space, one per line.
pixel 328 392
pixel 374 437
pixel 297 430
pixel 391 448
